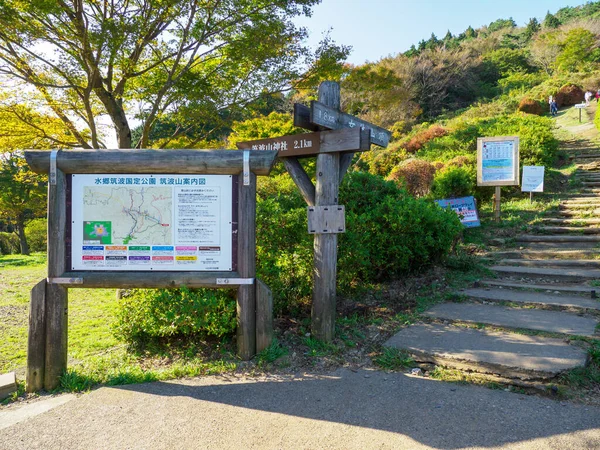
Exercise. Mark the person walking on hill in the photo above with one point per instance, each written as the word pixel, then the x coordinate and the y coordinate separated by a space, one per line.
pixel 588 97
pixel 553 107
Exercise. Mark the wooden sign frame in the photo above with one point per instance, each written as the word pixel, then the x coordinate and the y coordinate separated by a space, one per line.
pixel 47 341
pixel 514 180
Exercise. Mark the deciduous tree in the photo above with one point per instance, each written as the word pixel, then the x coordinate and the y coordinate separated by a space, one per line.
pixel 23 192
pixel 142 59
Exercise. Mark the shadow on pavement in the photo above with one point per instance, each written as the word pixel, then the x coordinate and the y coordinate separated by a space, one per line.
pixel 436 414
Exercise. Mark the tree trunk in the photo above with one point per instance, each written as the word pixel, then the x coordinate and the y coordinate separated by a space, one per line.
pixel 22 238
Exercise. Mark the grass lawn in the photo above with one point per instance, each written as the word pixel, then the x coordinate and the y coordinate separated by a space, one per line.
pixel 91 313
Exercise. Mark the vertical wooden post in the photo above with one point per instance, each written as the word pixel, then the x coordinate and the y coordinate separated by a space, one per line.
pixel 325 245
pixel 246 295
pixel 497 204
pixel 531 197
pixel 264 316
pixel 56 295
pixel 36 338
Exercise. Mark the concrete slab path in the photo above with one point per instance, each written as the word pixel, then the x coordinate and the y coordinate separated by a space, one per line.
pixel 531 319
pixel 506 354
pixel 339 410
pixel 540 298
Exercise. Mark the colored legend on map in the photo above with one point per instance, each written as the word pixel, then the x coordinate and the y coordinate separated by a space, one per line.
pixel 139 254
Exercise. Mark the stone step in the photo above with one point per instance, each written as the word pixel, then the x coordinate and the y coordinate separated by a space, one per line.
pixel 573 263
pixel 574 213
pixel 590 183
pixel 567 300
pixel 567 230
pixel 573 275
pixel 578 205
pixel 556 238
pixel 592 198
pixel 8 385
pixel 586 156
pixel 580 289
pixel 581 200
pixel 516 318
pixel 582 221
pixel 584 195
pixel 547 254
pixel 589 191
pixel 555 246
pixel 507 354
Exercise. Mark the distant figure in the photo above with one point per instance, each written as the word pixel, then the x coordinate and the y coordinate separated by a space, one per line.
pixel 598 96
pixel 553 107
pixel 588 97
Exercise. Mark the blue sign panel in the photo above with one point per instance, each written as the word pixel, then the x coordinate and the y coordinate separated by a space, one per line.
pixel 466 209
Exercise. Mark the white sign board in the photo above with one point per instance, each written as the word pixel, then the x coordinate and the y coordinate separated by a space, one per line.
pixel 498 161
pixel 152 222
pixel 533 179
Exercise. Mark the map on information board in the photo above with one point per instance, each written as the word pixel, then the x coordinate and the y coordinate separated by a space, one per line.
pixel 152 222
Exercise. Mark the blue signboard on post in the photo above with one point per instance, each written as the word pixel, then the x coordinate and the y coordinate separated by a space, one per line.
pixel 466 209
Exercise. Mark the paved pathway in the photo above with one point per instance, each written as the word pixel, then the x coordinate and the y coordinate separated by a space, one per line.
pixel 340 410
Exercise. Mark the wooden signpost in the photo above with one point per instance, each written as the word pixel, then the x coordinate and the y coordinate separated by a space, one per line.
pixel 192 197
pixel 325 217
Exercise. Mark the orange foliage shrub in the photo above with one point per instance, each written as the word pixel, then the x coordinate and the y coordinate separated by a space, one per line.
pixel 569 95
pixel 530 106
pixel 416 175
pixel 462 160
pixel 419 140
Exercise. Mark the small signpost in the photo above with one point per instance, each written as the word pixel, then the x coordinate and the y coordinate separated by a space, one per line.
pixel 334 155
pixel 498 165
pixel 580 106
pixel 533 180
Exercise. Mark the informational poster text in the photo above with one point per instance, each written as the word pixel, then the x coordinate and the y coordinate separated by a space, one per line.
pixel 152 222
pixel 533 179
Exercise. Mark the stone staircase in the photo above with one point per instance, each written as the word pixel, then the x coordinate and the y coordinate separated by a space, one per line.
pixel 527 323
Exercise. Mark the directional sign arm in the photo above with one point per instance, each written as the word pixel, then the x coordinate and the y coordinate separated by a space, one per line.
pixel 332 119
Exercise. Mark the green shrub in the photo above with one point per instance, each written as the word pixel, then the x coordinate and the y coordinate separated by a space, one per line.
pixel 283 246
pixel 9 244
pixel 388 232
pixel 538 146
pixel 37 235
pixel 454 181
pixel 158 313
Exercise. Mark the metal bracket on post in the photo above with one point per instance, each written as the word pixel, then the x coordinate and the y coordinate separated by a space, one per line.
pixel 53 155
pixel 326 219
pixel 246 171
pixel 60 280
pixel 234 281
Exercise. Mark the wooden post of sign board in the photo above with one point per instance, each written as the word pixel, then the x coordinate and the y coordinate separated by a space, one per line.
pixel 325 245
pixel 246 295
pixel 36 338
pixel 497 204
pixel 264 316
pixel 56 294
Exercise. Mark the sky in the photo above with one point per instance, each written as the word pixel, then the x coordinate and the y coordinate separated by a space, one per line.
pixel 379 28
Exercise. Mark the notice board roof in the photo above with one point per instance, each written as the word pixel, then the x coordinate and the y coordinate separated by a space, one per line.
pixel 217 162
